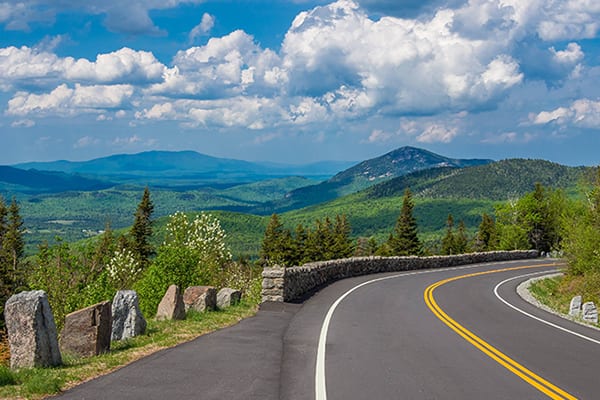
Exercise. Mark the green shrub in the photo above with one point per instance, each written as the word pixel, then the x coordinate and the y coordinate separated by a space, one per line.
pixel 7 377
pixel 40 381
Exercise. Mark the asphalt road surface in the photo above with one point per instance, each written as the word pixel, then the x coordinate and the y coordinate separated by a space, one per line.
pixel 434 334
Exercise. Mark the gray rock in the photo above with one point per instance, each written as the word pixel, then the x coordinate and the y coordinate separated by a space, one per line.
pixel 128 320
pixel 589 312
pixel 228 297
pixel 87 331
pixel 31 331
pixel 575 306
pixel 171 306
pixel 200 298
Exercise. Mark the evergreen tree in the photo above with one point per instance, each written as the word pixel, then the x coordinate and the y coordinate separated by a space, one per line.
pixel 277 243
pixel 461 241
pixel 373 246
pixel 487 238
pixel 141 231
pixel 404 241
pixel 299 244
pixel 5 281
pixel 448 242
pixel 12 245
pixel 343 246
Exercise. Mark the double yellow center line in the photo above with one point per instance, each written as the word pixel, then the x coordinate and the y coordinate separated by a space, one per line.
pixel 528 376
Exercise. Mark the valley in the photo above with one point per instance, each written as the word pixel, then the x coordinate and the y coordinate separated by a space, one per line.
pixel 66 204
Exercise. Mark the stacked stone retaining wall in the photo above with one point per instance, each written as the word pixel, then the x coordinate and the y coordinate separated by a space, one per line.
pixel 289 284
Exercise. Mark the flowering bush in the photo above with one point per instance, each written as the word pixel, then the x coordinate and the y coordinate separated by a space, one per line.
pixel 123 269
pixel 193 253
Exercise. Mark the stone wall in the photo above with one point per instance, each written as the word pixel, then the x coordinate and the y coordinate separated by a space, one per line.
pixel 289 284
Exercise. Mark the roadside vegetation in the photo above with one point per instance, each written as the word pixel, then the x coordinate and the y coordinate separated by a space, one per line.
pixel 581 247
pixel 36 383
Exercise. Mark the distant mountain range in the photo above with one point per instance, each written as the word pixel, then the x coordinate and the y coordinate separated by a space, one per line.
pixel 182 169
pixel 34 181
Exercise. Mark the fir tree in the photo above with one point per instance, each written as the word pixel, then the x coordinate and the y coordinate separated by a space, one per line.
pixel 461 241
pixel 5 281
pixel 299 244
pixel 141 231
pixel 13 245
pixel 487 238
pixel 404 241
pixel 277 243
pixel 343 246
pixel 448 242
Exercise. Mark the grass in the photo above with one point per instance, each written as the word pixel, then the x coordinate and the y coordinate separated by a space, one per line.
pixel 36 383
pixel 557 292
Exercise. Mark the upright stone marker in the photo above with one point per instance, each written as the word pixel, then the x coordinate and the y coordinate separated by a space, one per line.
pixel 171 306
pixel 200 298
pixel 87 332
pixel 31 331
pixel 575 307
pixel 590 312
pixel 228 297
pixel 128 320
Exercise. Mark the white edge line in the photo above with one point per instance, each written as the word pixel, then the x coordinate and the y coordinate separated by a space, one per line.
pixel 320 383
pixel 589 339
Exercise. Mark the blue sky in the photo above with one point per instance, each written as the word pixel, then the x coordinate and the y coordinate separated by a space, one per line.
pixel 300 80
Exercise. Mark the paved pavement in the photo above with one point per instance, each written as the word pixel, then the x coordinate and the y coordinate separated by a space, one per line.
pixel 240 362
pixel 383 342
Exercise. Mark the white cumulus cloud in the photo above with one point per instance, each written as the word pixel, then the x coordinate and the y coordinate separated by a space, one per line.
pixel 583 113
pixel 400 65
pixel 203 28
pixel 124 65
pixel 70 101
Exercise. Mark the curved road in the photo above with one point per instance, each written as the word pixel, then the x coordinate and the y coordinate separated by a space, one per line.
pixel 433 334
pixel 384 341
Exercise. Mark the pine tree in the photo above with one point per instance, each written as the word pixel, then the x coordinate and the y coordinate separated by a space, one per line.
pixel 13 246
pixel 141 231
pixel 448 242
pixel 343 246
pixel 277 243
pixel 299 243
pixel 5 281
pixel 461 241
pixel 404 241
pixel 487 238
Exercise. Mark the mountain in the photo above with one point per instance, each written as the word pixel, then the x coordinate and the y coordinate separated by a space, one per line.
pixel 183 168
pixel 33 181
pixel 394 164
pixel 466 193
pixel 501 180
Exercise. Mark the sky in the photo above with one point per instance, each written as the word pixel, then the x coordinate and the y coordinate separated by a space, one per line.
pixel 299 81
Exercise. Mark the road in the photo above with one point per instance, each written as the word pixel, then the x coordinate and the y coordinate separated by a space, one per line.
pixel 384 341
pixel 435 334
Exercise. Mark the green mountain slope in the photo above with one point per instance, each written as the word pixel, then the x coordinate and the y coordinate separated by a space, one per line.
pixel 399 162
pixel 500 180
pixel 465 193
